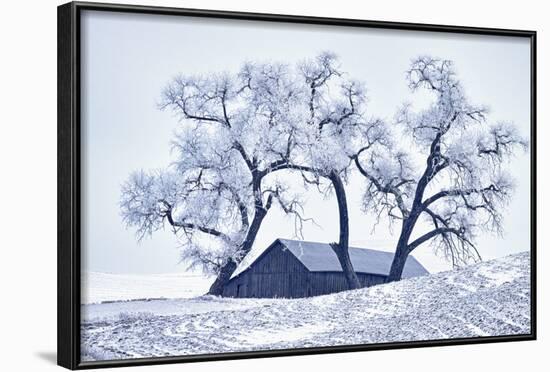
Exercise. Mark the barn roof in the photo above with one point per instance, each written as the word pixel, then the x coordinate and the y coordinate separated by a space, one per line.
pixel 319 257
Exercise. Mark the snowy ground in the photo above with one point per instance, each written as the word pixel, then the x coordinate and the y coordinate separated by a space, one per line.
pixel 491 298
pixel 102 287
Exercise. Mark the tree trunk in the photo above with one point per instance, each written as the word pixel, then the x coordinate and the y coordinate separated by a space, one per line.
pixel 402 249
pixel 398 264
pixel 229 268
pixel 342 248
pixel 223 277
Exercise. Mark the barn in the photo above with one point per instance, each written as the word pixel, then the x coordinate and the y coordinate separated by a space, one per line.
pixel 295 268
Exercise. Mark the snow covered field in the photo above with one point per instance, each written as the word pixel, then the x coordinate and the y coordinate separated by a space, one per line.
pixel 490 298
pixel 102 287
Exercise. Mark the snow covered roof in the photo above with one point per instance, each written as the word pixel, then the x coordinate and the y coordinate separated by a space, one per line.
pixel 320 257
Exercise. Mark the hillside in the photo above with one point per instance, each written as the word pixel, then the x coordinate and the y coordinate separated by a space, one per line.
pixel 490 298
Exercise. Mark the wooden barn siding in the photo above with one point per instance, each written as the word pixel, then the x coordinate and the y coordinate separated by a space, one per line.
pixel 331 282
pixel 279 274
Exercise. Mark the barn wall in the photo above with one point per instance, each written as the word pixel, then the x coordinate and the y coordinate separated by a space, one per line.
pixel 279 274
pixel 331 282
pixel 368 280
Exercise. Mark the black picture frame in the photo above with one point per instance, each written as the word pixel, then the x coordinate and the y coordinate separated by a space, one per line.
pixel 69 166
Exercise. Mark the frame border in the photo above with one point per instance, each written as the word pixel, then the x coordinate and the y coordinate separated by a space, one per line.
pixel 69 168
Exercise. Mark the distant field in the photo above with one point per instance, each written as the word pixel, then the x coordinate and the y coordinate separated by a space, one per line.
pixel 101 287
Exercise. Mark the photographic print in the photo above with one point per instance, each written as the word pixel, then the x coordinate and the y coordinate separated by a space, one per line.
pixel 252 186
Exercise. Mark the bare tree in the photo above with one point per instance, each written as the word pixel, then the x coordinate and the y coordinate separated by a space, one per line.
pixel 213 196
pixel 336 130
pixel 460 188
pixel 236 131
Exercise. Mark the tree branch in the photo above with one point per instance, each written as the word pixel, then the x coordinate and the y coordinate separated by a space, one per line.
pixel 456 192
pixel 432 234
pixel 192 226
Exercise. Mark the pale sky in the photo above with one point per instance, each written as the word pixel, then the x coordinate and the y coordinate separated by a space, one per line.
pixel 127 59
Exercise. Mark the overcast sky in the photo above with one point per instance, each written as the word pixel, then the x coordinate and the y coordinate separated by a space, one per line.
pixel 127 59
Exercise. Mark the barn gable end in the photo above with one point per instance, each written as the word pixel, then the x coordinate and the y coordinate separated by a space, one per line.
pixel 275 273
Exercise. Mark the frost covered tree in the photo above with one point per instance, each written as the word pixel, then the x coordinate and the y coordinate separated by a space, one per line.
pixel 336 127
pixel 236 131
pixel 459 188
